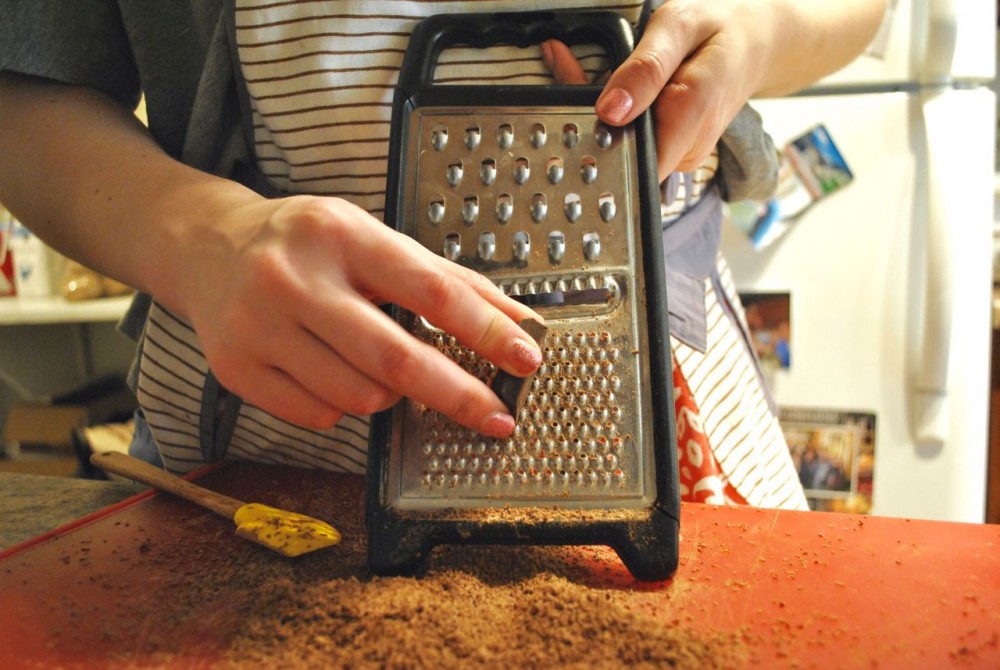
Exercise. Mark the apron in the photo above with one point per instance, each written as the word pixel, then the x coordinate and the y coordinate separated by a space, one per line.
pixel 317 82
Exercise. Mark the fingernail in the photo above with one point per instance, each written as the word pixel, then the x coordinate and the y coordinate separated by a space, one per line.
pixel 524 356
pixel 614 105
pixel 547 54
pixel 500 424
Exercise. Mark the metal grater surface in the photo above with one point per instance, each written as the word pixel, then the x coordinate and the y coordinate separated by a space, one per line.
pixel 541 203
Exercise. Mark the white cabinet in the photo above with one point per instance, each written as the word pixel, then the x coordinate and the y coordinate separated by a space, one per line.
pixel 51 345
pixel 56 310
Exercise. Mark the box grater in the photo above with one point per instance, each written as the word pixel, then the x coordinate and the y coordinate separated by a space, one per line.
pixel 526 186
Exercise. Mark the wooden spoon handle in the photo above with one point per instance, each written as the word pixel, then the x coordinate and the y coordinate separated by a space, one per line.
pixel 133 468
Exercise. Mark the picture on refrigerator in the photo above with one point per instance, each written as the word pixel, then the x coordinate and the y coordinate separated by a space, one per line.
pixel 810 167
pixel 834 452
pixel 769 317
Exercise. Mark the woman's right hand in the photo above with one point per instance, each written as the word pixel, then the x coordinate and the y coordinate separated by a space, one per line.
pixel 285 297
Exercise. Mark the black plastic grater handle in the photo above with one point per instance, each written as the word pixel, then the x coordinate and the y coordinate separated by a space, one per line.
pixel 521 29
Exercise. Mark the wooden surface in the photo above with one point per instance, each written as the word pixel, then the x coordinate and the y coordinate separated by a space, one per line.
pixel 804 590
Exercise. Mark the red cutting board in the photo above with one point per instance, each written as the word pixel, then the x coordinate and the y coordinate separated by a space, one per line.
pixel 122 588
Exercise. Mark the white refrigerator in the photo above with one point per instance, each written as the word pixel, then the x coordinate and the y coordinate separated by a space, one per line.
pixel 888 279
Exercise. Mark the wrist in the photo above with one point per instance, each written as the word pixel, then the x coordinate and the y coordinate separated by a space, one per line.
pixel 191 242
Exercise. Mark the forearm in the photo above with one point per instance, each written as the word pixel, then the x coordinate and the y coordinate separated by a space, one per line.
pixel 814 38
pixel 88 178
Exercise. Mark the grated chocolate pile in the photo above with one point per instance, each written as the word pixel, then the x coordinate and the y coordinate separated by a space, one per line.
pixel 473 607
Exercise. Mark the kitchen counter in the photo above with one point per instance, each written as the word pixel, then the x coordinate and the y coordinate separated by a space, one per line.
pixel 141 584
pixel 31 505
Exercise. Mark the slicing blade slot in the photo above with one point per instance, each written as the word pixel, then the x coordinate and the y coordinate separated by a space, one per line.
pixel 587 296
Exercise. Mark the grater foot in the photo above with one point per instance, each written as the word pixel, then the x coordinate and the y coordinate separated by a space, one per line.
pixel 646 544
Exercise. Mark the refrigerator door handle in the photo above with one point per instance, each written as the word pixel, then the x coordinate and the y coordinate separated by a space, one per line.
pixel 929 420
pixel 929 407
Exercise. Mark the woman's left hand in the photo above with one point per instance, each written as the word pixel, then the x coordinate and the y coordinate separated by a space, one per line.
pixel 694 67
pixel 699 61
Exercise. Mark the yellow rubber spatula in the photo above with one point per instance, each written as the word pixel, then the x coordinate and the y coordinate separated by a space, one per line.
pixel 287 533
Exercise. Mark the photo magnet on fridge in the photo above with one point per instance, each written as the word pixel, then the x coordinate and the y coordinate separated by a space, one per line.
pixel 811 167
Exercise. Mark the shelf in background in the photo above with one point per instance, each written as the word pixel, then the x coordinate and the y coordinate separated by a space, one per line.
pixel 996 307
pixel 56 309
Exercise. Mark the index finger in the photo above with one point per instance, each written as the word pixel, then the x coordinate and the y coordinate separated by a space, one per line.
pixel 465 304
